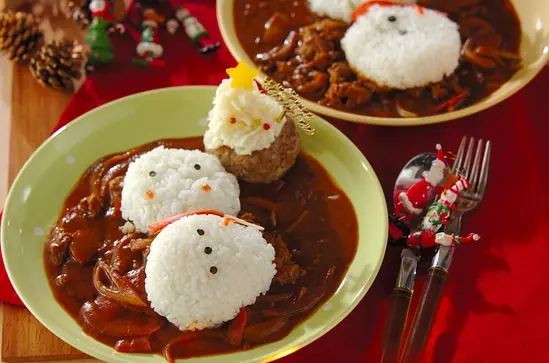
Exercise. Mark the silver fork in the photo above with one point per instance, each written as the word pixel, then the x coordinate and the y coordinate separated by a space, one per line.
pixel 477 174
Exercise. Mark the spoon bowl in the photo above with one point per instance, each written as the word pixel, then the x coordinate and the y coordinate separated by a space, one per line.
pixel 410 174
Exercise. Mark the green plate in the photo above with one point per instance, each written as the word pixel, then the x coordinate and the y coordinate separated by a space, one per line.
pixel 37 195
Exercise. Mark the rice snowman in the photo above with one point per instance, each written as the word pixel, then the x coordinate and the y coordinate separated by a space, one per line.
pixel 340 9
pixel 203 268
pixel 249 131
pixel 165 182
pixel 335 9
pixel 401 46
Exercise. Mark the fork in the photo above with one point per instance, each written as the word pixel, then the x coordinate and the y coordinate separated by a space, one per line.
pixel 468 199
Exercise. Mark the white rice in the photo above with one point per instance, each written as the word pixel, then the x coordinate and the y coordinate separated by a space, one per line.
pixel 165 182
pixel 335 9
pixel 412 51
pixel 180 284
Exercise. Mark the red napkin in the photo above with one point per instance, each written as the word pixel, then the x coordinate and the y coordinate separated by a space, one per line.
pixel 494 307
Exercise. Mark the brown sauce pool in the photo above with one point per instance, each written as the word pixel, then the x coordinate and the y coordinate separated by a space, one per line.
pixel 313 63
pixel 307 218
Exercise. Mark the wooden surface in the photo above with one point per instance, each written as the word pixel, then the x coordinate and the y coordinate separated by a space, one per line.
pixel 35 111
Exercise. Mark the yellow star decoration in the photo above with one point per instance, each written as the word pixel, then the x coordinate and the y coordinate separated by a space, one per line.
pixel 242 76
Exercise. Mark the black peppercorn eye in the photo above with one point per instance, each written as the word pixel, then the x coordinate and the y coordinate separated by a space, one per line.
pixel 213 270
pixel 152 173
pixel 200 232
pixel 392 18
pixel 197 166
pixel 207 250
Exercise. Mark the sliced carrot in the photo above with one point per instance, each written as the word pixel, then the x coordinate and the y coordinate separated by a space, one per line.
pixel 364 7
pixel 452 101
pixel 160 225
pixel 236 328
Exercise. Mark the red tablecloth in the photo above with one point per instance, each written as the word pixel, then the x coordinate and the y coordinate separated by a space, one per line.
pixel 495 305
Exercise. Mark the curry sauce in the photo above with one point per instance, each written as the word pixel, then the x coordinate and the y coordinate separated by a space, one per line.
pixel 96 271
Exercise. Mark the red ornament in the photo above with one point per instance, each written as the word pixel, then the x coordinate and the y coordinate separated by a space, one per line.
pixel 415 198
pixel 266 126
pixel 260 87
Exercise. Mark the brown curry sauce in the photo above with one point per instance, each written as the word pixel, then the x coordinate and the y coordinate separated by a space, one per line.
pixel 315 239
pixel 317 69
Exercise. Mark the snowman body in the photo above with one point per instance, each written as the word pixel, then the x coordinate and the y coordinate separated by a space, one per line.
pixel 165 182
pixel 402 47
pixel 202 270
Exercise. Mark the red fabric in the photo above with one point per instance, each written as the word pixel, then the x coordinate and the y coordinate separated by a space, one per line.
pixel 494 308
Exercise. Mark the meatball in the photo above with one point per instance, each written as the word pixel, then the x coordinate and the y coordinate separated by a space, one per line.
pixel 263 166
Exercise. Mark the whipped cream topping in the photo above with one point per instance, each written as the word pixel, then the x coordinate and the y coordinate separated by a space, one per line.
pixel 244 120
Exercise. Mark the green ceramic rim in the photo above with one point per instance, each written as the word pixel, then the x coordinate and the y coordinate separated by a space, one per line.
pixel 35 200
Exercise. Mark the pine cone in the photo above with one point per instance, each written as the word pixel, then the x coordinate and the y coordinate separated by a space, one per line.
pixel 58 64
pixel 19 34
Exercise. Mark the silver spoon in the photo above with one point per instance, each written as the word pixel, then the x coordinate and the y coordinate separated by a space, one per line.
pixel 402 293
pixel 410 174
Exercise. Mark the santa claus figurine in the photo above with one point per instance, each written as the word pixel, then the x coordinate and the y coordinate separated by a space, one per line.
pixel 437 217
pixel 411 202
pixel 149 47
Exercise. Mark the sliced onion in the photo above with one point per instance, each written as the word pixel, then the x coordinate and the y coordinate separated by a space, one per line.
pixel 468 52
pixel 123 293
pixel 403 111
pixel 140 244
pixel 188 337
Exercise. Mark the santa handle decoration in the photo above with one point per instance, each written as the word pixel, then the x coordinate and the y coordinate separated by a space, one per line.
pixel 412 202
pixel 438 216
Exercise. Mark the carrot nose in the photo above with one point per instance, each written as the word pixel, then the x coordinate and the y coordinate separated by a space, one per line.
pixel 149 194
pixel 160 225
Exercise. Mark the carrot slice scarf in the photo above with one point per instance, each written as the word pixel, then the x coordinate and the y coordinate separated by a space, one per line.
pixel 227 219
pixel 364 7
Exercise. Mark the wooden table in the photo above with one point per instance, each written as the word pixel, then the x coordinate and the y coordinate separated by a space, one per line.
pixel 35 111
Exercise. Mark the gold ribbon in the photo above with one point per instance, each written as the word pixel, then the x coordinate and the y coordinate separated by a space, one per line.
pixel 288 98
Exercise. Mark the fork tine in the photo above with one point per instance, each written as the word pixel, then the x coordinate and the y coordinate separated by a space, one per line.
pixel 459 156
pixel 484 170
pixel 474 177
pixel 468 157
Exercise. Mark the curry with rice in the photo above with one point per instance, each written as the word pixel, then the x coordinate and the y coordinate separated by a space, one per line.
pixel 97 272
pixel 302 50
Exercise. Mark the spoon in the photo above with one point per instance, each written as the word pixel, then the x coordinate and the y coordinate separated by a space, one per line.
pixel 408 176
pixel 402 293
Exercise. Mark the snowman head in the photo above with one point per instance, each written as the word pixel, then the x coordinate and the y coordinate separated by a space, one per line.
pixel 401 46
pixel 97 6
pixel 212 266
pixel 165 182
